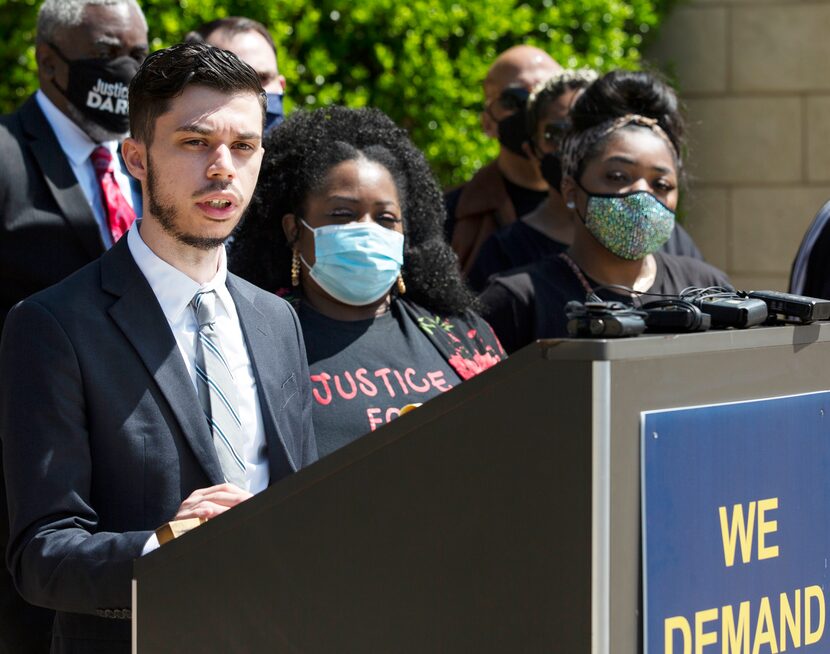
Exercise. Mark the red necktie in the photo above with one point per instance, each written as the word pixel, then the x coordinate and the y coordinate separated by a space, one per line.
pixel 120 214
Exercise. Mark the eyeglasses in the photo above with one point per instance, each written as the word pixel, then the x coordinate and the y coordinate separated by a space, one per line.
pixel 513 98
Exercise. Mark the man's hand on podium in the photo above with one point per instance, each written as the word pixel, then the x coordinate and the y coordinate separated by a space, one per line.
pixel 209 502
pixel 202 505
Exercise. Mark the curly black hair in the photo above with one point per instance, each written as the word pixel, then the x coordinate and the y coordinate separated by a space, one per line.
pixel 299 154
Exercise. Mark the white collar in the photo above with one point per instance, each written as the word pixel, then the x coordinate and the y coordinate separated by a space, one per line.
pixel 74 141
pixel 173 289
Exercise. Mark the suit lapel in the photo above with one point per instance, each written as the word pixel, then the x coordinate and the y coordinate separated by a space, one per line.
pixel 139 316
pixel 59 177
pixel 266 364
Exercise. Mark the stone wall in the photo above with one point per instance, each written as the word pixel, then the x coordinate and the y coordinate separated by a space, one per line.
pixel 755 78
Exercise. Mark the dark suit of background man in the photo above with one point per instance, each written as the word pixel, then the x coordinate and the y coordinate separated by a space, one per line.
pixel 124 403
pixel 53 219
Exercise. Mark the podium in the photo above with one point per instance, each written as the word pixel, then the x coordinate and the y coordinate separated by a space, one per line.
pixel 502 516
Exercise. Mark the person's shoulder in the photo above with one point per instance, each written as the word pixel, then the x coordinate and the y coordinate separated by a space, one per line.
pixel 511 232
pixel 525 281
pixel 262 299
pixel 502 242
pixel 11 137
pixel 9 127
pixel 76 299
pixel 11 124
pixel 484 175
pixel 16 152
pixel 692 271
pixel 820 228
pixel 518 281
pixel 681 244
pixel 451 196
pixel 484 193
pixel 546 268
pixel 409 307
pixel 684 262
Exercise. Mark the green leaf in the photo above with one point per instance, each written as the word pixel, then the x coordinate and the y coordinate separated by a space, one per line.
pixel 421 61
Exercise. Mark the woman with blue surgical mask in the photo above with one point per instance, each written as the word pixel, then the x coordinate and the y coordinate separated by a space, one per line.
pixel 347 222
pixel 622 171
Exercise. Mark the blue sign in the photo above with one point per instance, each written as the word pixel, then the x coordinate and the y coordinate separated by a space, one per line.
pixel 736 527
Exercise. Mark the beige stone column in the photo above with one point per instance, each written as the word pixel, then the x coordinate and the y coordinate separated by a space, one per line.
pixel 755 78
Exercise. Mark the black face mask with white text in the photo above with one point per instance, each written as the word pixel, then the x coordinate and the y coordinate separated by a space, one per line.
pixel 98 88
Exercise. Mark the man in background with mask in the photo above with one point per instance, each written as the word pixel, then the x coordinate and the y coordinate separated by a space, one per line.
pixel 511 185
pixel 64 194
pixel 252 43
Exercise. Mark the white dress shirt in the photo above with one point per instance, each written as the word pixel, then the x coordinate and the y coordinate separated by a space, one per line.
pixel 174 290
pixel 78 147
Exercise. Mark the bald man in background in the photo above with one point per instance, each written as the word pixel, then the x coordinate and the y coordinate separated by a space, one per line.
pixel 511 185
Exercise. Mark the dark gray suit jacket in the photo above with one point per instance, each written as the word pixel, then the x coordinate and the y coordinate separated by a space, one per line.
pixel 47 228
pixel 103 434
pixel 47 231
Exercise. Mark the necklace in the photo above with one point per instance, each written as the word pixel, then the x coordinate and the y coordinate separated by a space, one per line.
pixel 577 271
pixel 643 282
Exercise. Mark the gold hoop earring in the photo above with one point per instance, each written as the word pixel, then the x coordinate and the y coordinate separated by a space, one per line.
pixel 401 285
pixel 295 269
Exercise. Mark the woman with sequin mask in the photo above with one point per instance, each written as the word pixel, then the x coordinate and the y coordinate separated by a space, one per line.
pixel 621 176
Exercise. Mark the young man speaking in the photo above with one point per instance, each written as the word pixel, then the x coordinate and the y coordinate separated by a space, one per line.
pixel 151 384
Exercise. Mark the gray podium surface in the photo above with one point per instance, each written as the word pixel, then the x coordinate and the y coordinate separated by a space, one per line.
pixel 503 516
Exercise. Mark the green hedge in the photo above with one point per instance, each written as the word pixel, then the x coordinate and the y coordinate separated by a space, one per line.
pixel 421 61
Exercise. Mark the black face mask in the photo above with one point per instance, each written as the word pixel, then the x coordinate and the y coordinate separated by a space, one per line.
pixel 98 89
pixel 551 165
pixel 274 114
pixel 512 130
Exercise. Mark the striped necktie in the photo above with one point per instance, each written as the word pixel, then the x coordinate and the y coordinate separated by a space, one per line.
pixel 217 391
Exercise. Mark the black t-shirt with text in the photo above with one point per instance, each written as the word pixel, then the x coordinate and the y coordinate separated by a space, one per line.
pixel 529 303
pixel 363 372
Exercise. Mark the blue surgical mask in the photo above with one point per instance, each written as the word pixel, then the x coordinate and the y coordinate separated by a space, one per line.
pixel 274 113
pixel 356 263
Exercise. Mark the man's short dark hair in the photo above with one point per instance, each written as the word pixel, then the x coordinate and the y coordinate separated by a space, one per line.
pixel 232 25
pixel 166 73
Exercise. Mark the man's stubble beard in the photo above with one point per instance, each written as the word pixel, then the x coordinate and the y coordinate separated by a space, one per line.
pixel 166 216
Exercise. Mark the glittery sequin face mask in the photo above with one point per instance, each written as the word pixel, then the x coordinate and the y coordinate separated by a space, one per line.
pixel 631 225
